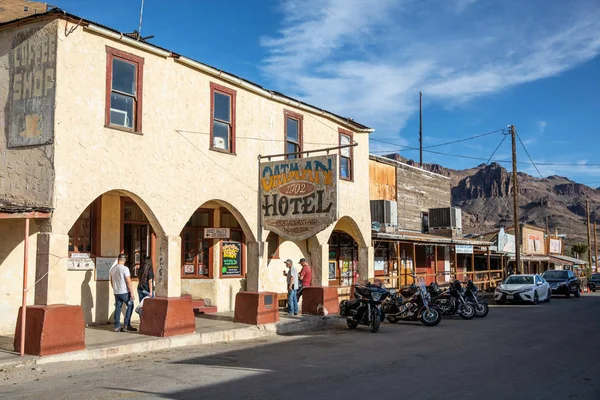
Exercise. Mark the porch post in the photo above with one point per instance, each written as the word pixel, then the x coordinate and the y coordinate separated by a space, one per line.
pixel 168 272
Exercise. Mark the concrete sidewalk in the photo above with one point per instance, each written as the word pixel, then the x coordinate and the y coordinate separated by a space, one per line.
pixel 102 342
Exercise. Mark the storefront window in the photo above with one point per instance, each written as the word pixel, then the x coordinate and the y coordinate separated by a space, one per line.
pixel 196 252
pixel 343 253
pixel 136 236
pixel 81 234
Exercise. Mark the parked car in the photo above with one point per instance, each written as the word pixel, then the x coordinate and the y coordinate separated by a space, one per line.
pixel 594 282
pixel 563 282
pixel 523 288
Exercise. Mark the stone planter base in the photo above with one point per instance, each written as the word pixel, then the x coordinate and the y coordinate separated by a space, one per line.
pixel 167 316
pixel 53 329
pixel 320 301
pixel 256 308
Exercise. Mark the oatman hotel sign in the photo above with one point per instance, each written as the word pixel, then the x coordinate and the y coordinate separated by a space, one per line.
pixel 299 196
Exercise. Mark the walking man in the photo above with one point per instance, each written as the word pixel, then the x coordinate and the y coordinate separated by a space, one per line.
pixel 120 279
pixel 292 285
pixel 305 276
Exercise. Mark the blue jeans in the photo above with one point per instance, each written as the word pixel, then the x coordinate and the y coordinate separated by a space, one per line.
pixel 142 294
pixel 292 302
pixel 121 299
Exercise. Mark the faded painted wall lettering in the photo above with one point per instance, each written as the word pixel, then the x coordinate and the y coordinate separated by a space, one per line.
pixel 299 197
pixel 32 67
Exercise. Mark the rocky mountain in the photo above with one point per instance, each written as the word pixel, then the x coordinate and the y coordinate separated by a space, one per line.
pixel 484 193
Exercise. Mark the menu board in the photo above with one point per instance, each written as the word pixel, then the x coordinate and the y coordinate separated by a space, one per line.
pixel 231 256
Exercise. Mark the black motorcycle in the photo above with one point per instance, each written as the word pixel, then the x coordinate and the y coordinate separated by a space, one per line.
pixel 451 301
pixel 365 309
pixel 411 305
pixel 480 305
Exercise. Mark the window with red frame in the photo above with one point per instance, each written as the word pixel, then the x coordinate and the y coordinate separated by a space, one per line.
pixel 124 73
pixel 346 168
pixel 293 134
pixel 222 113
pixel 196 251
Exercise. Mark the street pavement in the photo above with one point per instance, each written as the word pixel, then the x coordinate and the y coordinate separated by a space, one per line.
pixel 546 351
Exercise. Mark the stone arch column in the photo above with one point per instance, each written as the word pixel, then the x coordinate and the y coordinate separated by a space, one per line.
pixel 319 251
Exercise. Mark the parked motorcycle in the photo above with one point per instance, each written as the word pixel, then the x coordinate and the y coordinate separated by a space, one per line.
pixel 480 305
pixel 451 301
pixel 412 304
pixel 365 308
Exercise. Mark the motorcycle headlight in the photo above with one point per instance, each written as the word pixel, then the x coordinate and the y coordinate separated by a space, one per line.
pixel 376 296
pixel 393 292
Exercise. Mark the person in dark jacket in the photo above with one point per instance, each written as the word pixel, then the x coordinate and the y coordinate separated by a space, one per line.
pixel 146 282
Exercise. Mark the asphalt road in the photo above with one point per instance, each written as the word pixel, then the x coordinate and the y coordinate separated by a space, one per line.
pixel 549 351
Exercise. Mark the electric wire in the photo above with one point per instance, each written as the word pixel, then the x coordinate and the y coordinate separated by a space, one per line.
pixel 495 150
pixel 528 155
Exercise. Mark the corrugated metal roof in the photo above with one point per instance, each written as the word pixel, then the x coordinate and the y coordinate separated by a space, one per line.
pixel 570 260
pixel 59 13
pixel 427 238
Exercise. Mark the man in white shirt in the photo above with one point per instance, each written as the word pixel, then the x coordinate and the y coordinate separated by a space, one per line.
pixel 120 279
pixel 292 285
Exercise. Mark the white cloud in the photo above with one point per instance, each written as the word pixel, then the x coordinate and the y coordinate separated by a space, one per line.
pixel 369 59
pixel 542 126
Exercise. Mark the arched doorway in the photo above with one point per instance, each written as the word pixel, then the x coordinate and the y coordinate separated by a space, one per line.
pixel 214 259
pixel 115 222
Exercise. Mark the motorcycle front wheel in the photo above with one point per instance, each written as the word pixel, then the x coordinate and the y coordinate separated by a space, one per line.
pixel 431 317
pixel 375 321
pixel 467 311
pixel 481 310
pixel 352 324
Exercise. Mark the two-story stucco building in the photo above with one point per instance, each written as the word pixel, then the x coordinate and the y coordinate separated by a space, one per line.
pixel 136 149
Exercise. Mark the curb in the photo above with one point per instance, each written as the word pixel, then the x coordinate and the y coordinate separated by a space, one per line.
pixel 194 339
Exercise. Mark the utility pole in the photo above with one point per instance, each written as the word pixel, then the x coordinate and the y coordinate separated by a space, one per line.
pixel 587 210
pixel 420 130
pixel 547 231
pixel 513 134
pixel 595 247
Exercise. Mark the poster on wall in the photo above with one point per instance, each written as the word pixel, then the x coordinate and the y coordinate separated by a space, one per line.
pixel 80 264
pixel 188 269
pixel 231 255
pixel 555 246
pixel 299 196
pixel 103 265
pixel 332 271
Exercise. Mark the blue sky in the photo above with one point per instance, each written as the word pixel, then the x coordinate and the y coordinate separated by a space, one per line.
pixel 481 65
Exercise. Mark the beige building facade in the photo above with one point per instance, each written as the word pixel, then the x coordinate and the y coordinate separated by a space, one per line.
pixel 141 151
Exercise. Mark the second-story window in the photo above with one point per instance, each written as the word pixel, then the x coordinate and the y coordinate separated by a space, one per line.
pixel 346 167
pixel 222 115
pixel 124 90
pixel 293 133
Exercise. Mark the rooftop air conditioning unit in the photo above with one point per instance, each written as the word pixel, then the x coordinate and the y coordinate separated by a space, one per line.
pixel 385 212
pixel 445 218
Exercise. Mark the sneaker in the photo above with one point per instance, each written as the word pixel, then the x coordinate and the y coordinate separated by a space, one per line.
pixel 296 314
pixel 119 329
pixel 131 329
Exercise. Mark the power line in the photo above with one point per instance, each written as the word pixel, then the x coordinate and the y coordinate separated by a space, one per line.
pixel 502 141
pixel 528 155
pixel 465 139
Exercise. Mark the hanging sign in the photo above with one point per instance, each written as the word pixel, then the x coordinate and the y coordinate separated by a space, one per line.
pixel 216 233
pixel 80 264
pixel 555 246
pixel 464 249
pixel 299 196
pixel 231 256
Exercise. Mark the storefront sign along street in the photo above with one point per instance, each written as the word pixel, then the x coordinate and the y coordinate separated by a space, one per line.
pixel 299 196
